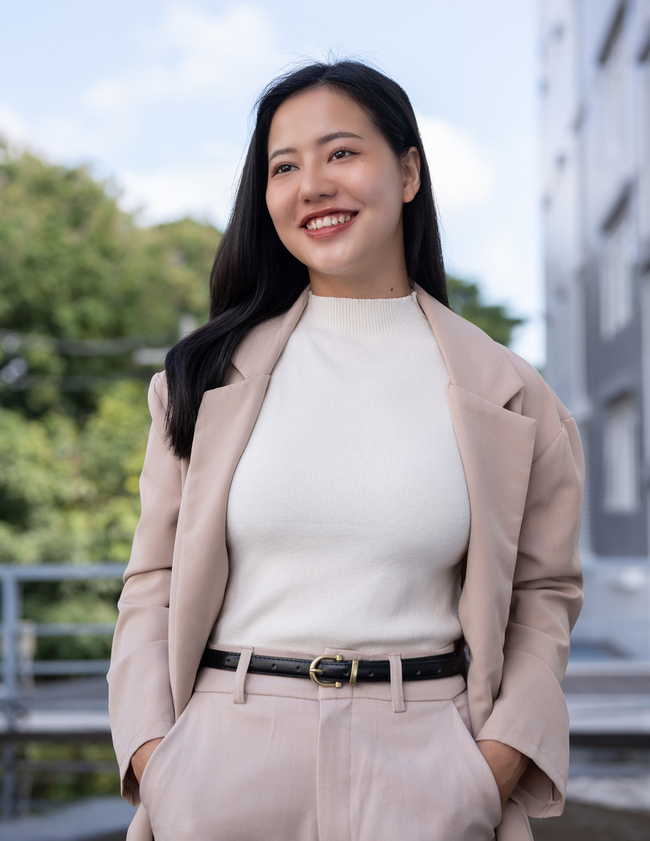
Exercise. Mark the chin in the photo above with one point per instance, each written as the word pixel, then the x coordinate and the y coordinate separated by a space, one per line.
pixel 331 269
pixel 331 265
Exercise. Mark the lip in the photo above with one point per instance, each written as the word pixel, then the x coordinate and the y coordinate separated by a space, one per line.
pixel 332 230
pixel 328 211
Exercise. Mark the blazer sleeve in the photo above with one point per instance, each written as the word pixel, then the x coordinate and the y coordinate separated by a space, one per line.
pixel 530 712
pixel 139 694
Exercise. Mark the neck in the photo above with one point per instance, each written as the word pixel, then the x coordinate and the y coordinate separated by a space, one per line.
pixel 383 276
pixel 340 287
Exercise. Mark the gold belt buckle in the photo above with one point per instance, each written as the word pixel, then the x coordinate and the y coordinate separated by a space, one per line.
pixel 314 670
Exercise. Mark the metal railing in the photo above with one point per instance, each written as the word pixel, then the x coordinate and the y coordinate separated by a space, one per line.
pixel 18 668
pixel 19 636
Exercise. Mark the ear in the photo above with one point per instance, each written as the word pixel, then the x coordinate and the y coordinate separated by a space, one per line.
pixel 411 169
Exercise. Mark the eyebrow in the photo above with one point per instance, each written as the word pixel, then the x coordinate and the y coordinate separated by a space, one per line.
pixel 327 138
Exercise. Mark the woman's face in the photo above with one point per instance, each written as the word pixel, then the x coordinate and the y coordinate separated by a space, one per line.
pixel 336 190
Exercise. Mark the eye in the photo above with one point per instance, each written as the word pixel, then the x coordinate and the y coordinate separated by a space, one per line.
pixel 280 168
pixel 340 154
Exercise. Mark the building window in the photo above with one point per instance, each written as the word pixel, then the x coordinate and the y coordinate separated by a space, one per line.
pixel 613 123
pixel 621 457
pixel 644 187
pixel 616 277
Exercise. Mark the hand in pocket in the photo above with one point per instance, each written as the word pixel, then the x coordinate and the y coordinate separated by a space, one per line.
pixel 506 763
pixel 142 756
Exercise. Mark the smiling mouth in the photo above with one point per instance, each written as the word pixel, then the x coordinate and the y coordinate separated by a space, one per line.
pixel 330 220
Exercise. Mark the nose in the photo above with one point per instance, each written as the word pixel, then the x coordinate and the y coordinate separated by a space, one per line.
pixel 316 183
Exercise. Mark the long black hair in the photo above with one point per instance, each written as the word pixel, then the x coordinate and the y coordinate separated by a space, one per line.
pixel 254 276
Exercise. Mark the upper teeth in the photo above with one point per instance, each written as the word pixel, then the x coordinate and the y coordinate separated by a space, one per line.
pixel 328 221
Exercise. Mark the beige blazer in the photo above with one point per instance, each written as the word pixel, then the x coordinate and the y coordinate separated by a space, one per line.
pixel 522 591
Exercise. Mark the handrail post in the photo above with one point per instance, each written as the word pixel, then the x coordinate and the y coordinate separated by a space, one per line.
pixel 11 610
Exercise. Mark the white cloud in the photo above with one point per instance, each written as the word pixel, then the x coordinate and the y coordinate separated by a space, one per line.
pixel 186 56
pixel 192 55
pixel 462 175
pixel 513 275
pixel 13 129
pixel 62 138
pixel 203 190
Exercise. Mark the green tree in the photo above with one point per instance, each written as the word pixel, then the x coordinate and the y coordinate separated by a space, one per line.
pixel 73 266
pixel 466 300
pixel 69 494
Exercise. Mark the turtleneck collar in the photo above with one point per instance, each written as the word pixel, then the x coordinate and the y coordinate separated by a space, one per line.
pixel 364 315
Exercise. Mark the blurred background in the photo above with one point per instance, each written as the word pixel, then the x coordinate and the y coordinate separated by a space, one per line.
pixel 122 130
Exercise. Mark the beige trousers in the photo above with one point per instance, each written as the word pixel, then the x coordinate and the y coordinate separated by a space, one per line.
pixel 266 758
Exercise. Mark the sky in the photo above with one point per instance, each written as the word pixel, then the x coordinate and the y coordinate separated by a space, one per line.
pixel 156 97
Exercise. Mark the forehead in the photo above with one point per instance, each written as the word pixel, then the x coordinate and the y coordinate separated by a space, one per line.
pixel 307 116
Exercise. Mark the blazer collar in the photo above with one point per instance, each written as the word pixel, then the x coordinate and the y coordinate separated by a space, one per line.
pixel 474 362
pixel 260 349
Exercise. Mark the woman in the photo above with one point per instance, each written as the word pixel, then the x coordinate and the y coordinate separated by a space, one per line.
pixel 346 482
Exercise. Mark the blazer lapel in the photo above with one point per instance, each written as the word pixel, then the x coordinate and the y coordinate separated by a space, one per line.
pixel 496 447
pixel 200 568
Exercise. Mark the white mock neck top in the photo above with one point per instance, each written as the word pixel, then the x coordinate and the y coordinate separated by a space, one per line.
pixel 348 514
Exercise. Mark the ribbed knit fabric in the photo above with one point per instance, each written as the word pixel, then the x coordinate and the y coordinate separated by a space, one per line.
pixel 348 514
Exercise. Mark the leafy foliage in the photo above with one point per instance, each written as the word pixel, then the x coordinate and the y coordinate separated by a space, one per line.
pixel 74 266
pixel 465 299
pixel 49 783
pixel 69 494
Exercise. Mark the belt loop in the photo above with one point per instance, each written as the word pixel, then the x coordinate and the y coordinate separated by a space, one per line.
pixel 240 675
pixel 396 688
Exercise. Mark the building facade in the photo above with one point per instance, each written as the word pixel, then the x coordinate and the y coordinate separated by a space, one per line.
pixel 595 106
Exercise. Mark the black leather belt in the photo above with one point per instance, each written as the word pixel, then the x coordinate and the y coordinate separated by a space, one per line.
pixel 333 670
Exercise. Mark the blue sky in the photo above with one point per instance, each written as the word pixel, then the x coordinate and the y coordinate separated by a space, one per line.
pixel 156 96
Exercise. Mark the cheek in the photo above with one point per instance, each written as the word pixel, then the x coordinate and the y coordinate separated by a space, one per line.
pixel 281 213
pixel 271 204
pixel 380 189
pixel 279 207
